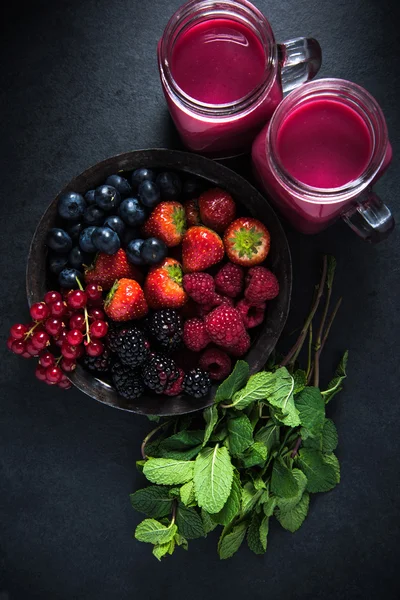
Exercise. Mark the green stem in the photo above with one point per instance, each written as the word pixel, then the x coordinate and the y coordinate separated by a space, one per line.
pixel 324 339
pixel 310 340
pixel 149 436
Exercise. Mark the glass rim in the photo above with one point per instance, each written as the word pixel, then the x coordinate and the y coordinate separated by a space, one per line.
pixel 349 93
pixel 206 8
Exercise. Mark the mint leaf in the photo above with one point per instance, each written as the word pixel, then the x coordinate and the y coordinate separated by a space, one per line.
pixel 331 459
pixel 254 456
pixel 240 434
pixel 292 518
pixel 230 543
pixel 286 504
pixel 250 497
pixel 181 541
pixel 153 418
pixel 258 481
pixel 269 505
pixel 268 435
pixel 183 440
pixel 300 381
pixel 283 482
pixel 308 442
pixel 329 437
pixel 335 385
pixel 161 550
pixel 189 522
pixel 154 532
pixel 154 501
pixel 181 455
pixel 311 407
pixel 219 436
pixel 274 387
pixel 140 464
pixel 232 505
pixel 174 492
pixel 208 522
pixel 210 415
pixel 321 476
pixel 263 532
pixel 187 493
pixel 253 534
pixel 213 474
pixel 233 383
pixel 165 471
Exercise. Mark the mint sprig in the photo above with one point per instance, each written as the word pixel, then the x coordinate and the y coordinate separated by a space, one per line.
pixel 257 453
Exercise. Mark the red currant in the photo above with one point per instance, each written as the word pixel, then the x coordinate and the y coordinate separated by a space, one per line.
pixel 18 347
pixel 40 339
pixel 54 374
pixel 40 373
pixel 53 326
pixel 68 365
pixel 77 299
pixel 93 292
pixel 18 331
pixel 96 314
pixel 58 308
pixel 50 382
pixel 69 351
pixel 60 339
pixel 10 343
pixel 77 321
pixel 30 348
pixel 46 359
pixel 98 329
pixel 95 348
pixel 74 337
pixel 51 297
pixel 64 384
pixel 39 311
pixel 26 355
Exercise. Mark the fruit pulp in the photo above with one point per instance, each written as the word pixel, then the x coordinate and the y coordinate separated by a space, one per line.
pixel 218 61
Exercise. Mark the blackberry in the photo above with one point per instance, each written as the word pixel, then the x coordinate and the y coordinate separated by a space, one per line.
pixel 197 383
pixel 127 382
pixel 130 345
pixel 99 364
pixel 166 327
pixel 159 373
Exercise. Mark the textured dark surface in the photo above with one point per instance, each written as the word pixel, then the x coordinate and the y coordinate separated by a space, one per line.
pixel 79 83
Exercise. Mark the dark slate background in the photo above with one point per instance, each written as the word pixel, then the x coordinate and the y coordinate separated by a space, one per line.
pixel 80 83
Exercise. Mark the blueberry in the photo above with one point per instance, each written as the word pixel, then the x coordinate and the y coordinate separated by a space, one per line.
pixel 153 251
pixel 107 197
pixel 71 206
pixel 133 252
pixel 142 175
pixel 192 188
pixel 93 215
pixel 106 240
pixel 89 197
pixel 170 185
pixel 57 262
pixel 149 194
pixel 116 224
pixel 76 258
pixel 121 184
pixel 85 240
pixel 129 234
pixel 132 212
pixel 75 230
pixel 67 278
pixel 59 240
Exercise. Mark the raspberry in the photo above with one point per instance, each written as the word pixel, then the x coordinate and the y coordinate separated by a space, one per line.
pixel 165 326
pixel 216 362
pixel 200 287
pixel 127 382
pixel 224 325
pixel 130 345
pixel 197 383
pixel 176 387
pixel 195 336
pixel 229 280
pixel 159 373
pixel 240 347
pixel 204 309
pixel 261 285
pixel 252 315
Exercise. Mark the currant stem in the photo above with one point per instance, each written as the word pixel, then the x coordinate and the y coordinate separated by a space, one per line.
pixel 88 339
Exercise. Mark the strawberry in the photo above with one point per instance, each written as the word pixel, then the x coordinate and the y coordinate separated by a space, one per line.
pixel 201 248
pixel 163 286
pixel 217 209
pixel 247 242
pixel 192 212
pixel 106 269
pixel 125 301
pixel 167 222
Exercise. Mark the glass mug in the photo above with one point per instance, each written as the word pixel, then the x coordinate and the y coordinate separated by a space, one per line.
pixel 319 156
pixel 223 74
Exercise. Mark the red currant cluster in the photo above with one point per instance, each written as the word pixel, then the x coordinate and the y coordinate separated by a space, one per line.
pixel 65 327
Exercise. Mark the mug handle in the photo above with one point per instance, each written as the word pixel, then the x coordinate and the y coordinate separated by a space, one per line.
pixel 370 218
pixel 300 60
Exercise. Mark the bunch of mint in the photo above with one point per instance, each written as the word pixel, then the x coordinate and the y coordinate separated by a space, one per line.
pixel 258 452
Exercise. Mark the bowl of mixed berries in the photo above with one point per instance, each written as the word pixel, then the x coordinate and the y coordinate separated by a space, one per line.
pixel 148 276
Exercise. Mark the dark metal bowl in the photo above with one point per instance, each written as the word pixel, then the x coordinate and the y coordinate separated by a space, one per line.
pixel 279 260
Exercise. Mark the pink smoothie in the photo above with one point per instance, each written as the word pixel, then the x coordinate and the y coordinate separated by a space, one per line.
pixel 324 143
pixel 218 61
